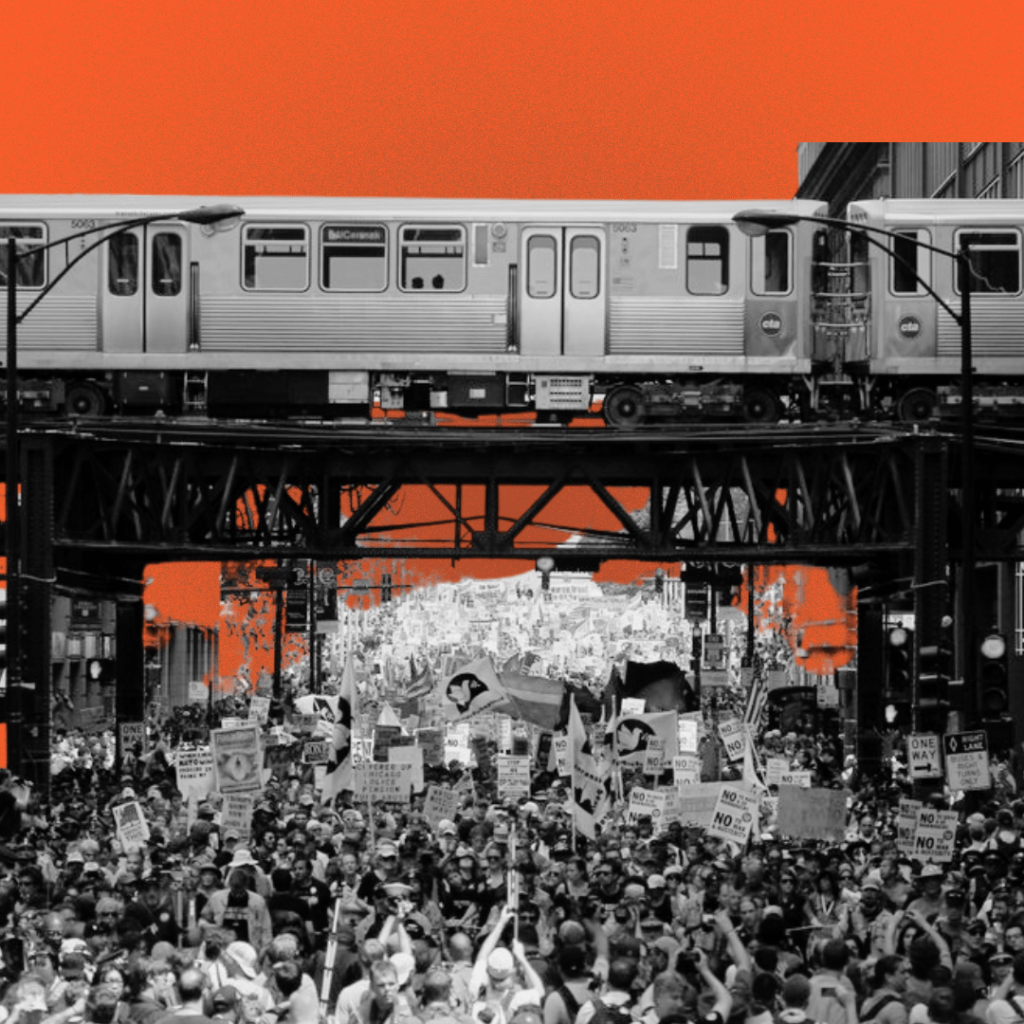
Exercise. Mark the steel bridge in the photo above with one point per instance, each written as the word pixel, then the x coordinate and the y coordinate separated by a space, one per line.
pixel 101 499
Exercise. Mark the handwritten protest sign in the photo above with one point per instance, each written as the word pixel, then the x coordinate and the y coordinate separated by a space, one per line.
pixel 383 782
pixel 194 769
pixel 316 752
pixel 441 803
pixel 259 709
pixel 236 813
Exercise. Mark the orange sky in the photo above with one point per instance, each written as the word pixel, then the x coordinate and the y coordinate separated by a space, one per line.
pixel 662 99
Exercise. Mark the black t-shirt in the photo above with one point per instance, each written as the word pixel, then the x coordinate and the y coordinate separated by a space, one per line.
pixel 236 915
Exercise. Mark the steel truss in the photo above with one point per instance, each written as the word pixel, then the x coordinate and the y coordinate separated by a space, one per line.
pixel 205 492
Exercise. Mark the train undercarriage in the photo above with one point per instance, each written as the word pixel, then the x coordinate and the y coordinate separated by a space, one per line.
pixel 553 398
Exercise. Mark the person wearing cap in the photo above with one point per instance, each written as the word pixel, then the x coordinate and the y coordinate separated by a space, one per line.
pixel 930 903
pixel 1000 964
pixel 493 983
pixel 869 922
pixel 1007 998
pixel 239 909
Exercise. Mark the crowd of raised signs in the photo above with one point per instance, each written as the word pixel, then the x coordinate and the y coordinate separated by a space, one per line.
pixel 502 912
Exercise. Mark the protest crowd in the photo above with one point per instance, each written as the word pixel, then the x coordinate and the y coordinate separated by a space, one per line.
pixel 220 874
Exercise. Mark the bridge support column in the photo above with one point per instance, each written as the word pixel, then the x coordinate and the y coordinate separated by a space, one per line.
pixel 37 581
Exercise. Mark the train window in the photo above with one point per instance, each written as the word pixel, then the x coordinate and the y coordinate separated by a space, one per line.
pixel 432 258
pixel 707 260
pixel 354 257
pixel 995 257
pixel 910 263
pixel 166 264
pixel 276 257
pixel 123 264
pixel 541 267
pixel 31 265
pixel 584 267
pixel 770 263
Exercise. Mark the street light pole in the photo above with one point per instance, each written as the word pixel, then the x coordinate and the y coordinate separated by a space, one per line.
pixel 12 456
pixel 756 222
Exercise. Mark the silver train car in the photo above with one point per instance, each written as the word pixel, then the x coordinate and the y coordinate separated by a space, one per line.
pixel 416 308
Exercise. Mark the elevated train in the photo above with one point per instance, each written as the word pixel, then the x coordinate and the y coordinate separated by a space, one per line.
pixel 658 312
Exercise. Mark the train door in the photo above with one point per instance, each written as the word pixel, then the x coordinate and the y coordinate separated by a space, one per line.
pixel 146 290
pixel 562 305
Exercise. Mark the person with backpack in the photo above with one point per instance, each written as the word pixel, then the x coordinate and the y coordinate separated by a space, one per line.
pixel 885 1005
pixel 562 1004
pixel 614 1005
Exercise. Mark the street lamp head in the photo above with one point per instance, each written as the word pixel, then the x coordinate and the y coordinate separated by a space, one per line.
pixel 759 222
pixel 210 214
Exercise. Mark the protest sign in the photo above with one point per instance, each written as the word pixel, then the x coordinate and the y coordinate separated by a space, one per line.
pixel 197 691
pixel 906 825
pixel 934 843
pixel 654 757
pixel 233 722
pixel 774 769
pixel 316 752
pixel 412 756
pixel 697 803
pixel 812 813
pixel 650 803
pixel 237 759
pixel 563 762
pixel 194 770
pixel 633 706
pixel 259 709
pixel 734 815
pixel 131 825
pixel 688 735
pixel 734 736
pixel 432 742
pixel 441 803
pixel 236 813
pixel 383 782
pixel 802 779
pixel 513 776
pixel 686 769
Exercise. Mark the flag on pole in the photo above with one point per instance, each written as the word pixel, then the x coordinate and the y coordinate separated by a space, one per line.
pixel 591 798
pixel 339 774
pixel 757 698
pixel 534 698
pixel 471 689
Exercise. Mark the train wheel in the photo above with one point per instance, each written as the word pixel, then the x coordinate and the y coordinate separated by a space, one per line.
pixel 85 400
pixel 624 407
pixel 761 406
pixel 916 405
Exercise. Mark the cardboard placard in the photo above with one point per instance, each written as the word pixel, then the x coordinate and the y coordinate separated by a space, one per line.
pixel 812 813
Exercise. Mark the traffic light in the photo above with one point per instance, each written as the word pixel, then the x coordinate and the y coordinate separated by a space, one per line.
pixel 659 580
pixel 899 677
pixel 993 676
pixel 385 587
pixel 934 668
